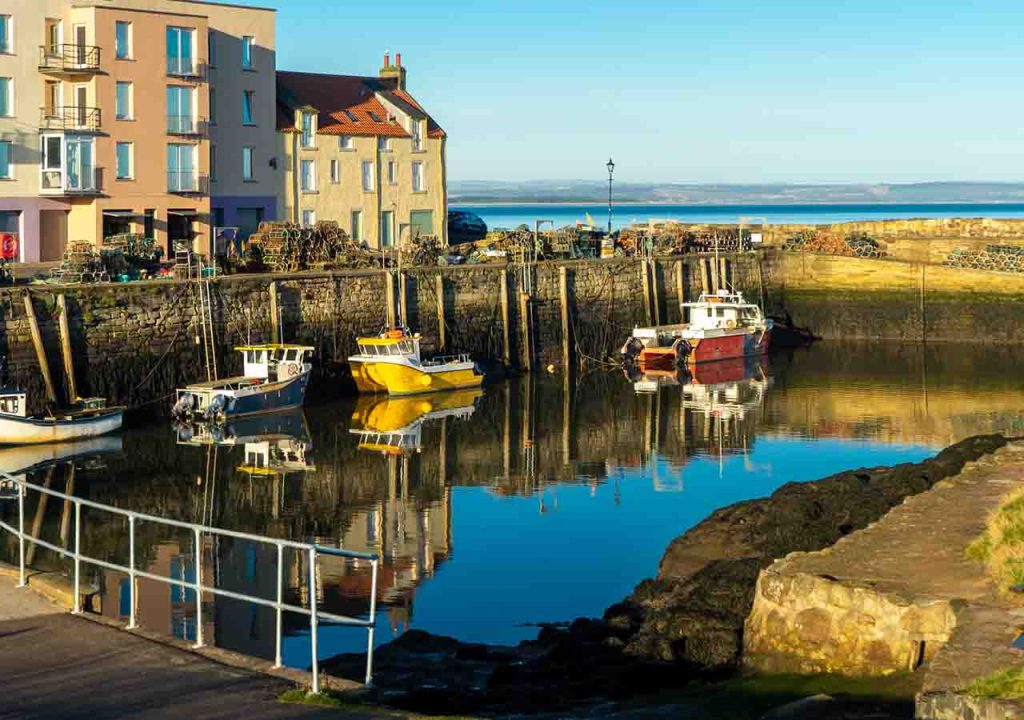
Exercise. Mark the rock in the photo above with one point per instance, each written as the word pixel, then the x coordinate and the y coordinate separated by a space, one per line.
pixel 465 227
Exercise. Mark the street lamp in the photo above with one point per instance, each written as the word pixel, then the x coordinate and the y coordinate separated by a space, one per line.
pixel 611 171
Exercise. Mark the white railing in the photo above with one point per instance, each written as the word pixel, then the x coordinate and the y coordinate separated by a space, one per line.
pixel 312 551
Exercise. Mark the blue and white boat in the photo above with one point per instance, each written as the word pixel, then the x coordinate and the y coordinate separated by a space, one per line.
pixel 88 418
pixel 276 378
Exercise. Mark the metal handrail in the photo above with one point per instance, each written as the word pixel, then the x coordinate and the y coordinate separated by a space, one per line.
pixel 69 57
pixel 312 551
pixel 71 117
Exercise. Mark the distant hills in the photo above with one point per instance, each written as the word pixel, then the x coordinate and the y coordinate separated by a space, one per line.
pixel 585 191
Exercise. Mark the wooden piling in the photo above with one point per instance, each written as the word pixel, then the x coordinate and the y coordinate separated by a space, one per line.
pixel 275 317
pixel 526 322
pixel 723 273
pixel 389 297
pixel 681 288
pixel 442 325
pixel 37 341
pixel 403 307
pixel 655 293
pixel 705 279
pixel 65 347
pixel 506 338
pixel 645 279
pixel 563 287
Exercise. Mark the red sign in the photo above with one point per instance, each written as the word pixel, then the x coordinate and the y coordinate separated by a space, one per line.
pixel 9 246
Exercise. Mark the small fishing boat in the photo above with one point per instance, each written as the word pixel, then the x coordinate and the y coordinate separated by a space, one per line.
pixel 721 326
pixel 391 363
pixel 88 418
pixel 276 377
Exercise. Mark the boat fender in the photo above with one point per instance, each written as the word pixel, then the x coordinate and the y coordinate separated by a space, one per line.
pixel 184 406
pixel 215 410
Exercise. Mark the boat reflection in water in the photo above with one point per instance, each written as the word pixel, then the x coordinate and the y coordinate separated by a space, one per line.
pixel 275 445
pixel 394 425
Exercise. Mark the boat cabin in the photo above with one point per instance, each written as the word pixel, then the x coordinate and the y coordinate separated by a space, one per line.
pixel 12 403
pixel 382 347
pixel 722 311
pixel 274 362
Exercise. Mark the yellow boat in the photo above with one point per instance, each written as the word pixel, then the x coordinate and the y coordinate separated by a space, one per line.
pixel 391 363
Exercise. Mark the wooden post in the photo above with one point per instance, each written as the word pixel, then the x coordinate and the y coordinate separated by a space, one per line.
pixel 924 317
pixel 723 271
pixel 705 280
pixel 403 307
pixel 389 297
pixel 681 288
pixel 563 287
pixel 760 282
pixel 37 341
pixel 65 347
pixel 525 321
pixel 506 338
pixel 442 327
pixel 655 294
pixel 645 279
pixel 275 318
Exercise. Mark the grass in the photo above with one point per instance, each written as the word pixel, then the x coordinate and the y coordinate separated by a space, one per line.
pixel 1001 546
pixel 1007 684
pixel 331 699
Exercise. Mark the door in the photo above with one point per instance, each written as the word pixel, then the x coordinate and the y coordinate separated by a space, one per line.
pixel 387 229
pixel 80 51
pixel 181 168
pixel 53 99
pixel 179 110
pixel 81 103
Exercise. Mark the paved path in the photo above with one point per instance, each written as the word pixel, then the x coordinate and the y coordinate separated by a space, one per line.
pixel 54 665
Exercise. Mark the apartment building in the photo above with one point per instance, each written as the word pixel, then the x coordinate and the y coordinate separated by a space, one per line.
pixel 147 116
pixel 362 152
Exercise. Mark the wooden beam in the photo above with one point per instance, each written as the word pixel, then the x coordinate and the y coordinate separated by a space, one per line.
pixel 37 341
pixel 563 287
pixel 506 338
pixel 65 347
pixel 403 307
pixel 442 325
pixel 655 293
pixel 645 281
pixel 681 287
pixel 526 322
pixel 389 296
pixel 275 317
pixel 705 279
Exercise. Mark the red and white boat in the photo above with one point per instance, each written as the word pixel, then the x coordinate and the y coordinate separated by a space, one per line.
pixel 721 326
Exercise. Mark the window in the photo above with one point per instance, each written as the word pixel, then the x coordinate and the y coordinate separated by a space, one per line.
pixel 308 130
pixel 345 142
pixel 308 180
pixel 213 106
pixel 417 136
pixel 248 163
pixel 392 172
pixel 149 223
pixel 247 43
pixel 6 97
pixel 181 51
pixel 248 103
pixel 5 159
pixel 123 104
pixel 180 120
pixel 418 184
pixel 335 172
pixel 213 164
pixel 122 40
pixel 124 161
pixel 6 44
pixel 387 228
pixel 368 183
pixel 357 226
pixel 351 116
pixel 309 218
pixel 181 168
pixel 384 144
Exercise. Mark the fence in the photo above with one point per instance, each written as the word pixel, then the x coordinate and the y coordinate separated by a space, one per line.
pixel 311 551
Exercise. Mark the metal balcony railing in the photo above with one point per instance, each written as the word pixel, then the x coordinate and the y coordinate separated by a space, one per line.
pixel 67 58
pixel 187 183
pixel 186 125
pixel 186 67
pixel 87 180
pixel 200 585
pixel 71 117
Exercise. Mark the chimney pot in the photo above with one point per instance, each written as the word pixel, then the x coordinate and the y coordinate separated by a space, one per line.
pixel 387 59
pixel 398 59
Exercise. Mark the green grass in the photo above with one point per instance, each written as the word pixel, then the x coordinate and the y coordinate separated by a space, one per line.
pixel 1001 546
pixel 331 699
pixel 1008 684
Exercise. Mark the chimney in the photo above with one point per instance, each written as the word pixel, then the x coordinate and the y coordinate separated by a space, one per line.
pixel 394 72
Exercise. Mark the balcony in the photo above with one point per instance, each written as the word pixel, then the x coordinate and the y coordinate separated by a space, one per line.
pixel 71 181
pixel 70 118
pixel 69 59
pixel 186 68
pixel 187 126
pixel 187 183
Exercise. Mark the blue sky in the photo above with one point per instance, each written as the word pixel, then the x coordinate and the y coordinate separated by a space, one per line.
pixel 687 91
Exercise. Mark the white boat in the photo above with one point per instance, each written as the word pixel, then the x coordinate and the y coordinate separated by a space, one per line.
pixel 89 418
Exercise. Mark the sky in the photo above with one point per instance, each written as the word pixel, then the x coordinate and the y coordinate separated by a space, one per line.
pixel 722 91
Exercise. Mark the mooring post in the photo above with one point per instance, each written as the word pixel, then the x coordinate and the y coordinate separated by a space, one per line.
pixel 705 279
pixel 506 340
pixel 65 347
pixel 723 270
pixel 681 287
pixel 389 296
pixel 525 320
pixel 563 286
pixel 275 322
pixel 645 280
pixel 655 293
pixel 924 318
pixel 37 341
pixel 403 307
pixel 442 325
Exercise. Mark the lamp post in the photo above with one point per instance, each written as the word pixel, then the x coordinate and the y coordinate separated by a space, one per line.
pixel 611 171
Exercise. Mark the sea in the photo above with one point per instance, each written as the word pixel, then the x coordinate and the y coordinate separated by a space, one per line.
pixel 513 215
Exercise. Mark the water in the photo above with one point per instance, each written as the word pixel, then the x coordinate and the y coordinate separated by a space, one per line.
pixel 515 506
pixel 510 216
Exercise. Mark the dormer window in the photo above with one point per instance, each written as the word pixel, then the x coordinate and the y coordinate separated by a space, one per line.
pixel 308 125
pixel 417 136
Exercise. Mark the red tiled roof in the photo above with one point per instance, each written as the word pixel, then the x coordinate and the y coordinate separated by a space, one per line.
pixel 335 97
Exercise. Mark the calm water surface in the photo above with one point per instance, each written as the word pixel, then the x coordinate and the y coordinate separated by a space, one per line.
pixel 510 216
pixel 500 509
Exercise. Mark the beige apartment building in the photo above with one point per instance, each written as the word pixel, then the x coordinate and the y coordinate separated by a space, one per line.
pixel 147 116
pixel 362 152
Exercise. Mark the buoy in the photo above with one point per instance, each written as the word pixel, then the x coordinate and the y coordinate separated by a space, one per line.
pixel 551 369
